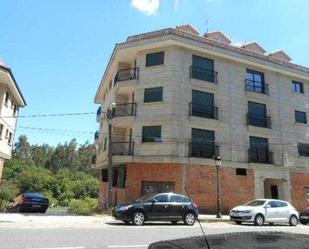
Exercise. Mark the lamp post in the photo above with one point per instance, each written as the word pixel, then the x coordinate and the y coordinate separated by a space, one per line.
pixel 110 115
pixel 218 165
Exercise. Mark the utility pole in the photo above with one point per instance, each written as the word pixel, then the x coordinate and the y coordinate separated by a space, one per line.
pixel 218 164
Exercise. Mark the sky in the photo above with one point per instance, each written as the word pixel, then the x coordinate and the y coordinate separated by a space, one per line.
pixel 58 50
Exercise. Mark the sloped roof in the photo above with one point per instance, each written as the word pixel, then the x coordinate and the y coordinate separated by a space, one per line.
pixel 281 55
pixel 188 28
pixel 217 36
pixel 254 47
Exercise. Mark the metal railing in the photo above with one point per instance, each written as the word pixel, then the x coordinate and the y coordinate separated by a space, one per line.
pixel 255 86
pixel 258 120
pixel 96 135
pixel 203 74
pixel 123 148
pixel 202 110
pixel 127 74
pixel 260 156
pixel 203 149
pixel 128 109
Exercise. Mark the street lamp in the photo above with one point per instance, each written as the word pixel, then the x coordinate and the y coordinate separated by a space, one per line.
pixel 218 165
pixel 110 115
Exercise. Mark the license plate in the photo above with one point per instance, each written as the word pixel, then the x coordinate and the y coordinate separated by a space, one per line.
pixel 36 206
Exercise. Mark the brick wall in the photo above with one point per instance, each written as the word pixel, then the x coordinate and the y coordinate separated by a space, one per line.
pixel 300 190
pixel 200 182
pixel 235 190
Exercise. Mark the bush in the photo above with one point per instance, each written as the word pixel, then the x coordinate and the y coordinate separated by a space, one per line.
pixel 86 206
pixel 7 195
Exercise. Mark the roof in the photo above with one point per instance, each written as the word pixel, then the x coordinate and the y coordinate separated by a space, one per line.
pixel 217 36
pixel 188 28
pixel 7 69
pixel 281 55
pixel 255 47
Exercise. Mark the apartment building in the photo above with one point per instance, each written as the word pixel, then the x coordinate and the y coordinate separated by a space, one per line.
pixel 182 98
pixel 11 100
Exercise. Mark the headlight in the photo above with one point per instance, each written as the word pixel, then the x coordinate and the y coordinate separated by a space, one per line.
pixel 124 208
pixel 246 211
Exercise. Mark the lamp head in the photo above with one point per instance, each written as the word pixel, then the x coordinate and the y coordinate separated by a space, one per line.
pixel 218 161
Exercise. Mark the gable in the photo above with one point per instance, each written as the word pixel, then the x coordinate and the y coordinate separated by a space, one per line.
pixel 254 47
pixel 217 36
pixel 188 28
pixel 281 55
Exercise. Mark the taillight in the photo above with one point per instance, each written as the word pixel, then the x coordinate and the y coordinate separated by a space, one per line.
pixel 194 205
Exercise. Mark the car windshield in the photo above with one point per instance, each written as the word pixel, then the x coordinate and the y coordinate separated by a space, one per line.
pixel 145 198
pixel 255 203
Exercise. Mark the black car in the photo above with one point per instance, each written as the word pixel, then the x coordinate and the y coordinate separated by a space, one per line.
pixel 158 207
pixel 304 217
pixel 30 202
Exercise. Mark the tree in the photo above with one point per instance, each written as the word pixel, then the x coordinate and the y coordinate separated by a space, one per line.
pixel 22 149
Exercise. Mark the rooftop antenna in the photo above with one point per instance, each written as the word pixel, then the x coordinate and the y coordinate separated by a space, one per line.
pixel 206 23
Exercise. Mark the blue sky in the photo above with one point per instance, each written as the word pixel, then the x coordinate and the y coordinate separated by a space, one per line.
pixel 58 49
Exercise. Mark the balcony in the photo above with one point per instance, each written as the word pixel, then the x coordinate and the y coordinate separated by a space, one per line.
pixel 126 74
pixel 99 114
pixel 204 111
pixel 123 148
pixel 260 156
pixel 258 120
pixel 255 86
pixel 128 109
pixel 203 74
pixel 203 149
pixel 96 135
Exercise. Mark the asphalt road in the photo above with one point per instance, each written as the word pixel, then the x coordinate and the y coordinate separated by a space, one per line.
pixel 117 235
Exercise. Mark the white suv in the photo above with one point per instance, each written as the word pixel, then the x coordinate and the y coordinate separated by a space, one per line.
pixel 265 210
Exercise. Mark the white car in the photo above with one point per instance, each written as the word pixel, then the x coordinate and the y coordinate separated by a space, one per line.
pixel 262 211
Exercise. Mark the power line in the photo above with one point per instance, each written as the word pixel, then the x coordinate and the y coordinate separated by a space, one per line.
pixel 50 115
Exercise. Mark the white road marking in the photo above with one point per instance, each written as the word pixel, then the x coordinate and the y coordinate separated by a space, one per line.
pixel 128 246
pixel 78 247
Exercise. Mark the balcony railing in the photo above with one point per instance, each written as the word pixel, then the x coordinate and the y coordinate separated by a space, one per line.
pixel 203 74
pixel 127 74
pixel 203 149
pixel 260 156
pixel 201 110
pixel 123 148
pixel 258 120
pixel 128 109
pixel 96 135
pixel 255 86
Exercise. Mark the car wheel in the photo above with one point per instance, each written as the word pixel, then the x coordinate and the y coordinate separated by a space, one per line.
pixel 174 222
pixel 189 219
pixel 238 222
pixel 259 220
pixel 293 221
pixel 138 218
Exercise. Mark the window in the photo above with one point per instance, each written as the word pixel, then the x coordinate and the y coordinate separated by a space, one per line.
pixel 255 82
pixel 202 105
pixel 154 59
pixel 258 151
pixel 151 134
pixel 297 87
pixel 303 149
pixel 203 143
pixel 105 143
pixel 176 198
pixel 157 187
pixel 203 69
pixel 104 175
pixel 257 115
pixel 161 198
pixel 15 110
pixel 153 94
pixel 6 98
pixel 6 133
pixel 115 177
pixel 274 204
pixel 282 204
pixel 241 172
pixel 300 117
pixel 1 130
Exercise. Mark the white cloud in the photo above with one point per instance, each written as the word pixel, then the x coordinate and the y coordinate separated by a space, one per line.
pixel 148 7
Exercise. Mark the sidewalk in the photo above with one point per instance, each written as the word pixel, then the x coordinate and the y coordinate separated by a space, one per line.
pixel 212 218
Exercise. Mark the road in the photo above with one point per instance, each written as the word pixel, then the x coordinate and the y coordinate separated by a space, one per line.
pixel 117 235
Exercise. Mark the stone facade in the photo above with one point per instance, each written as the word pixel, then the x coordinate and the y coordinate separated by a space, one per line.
pixel 166 161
